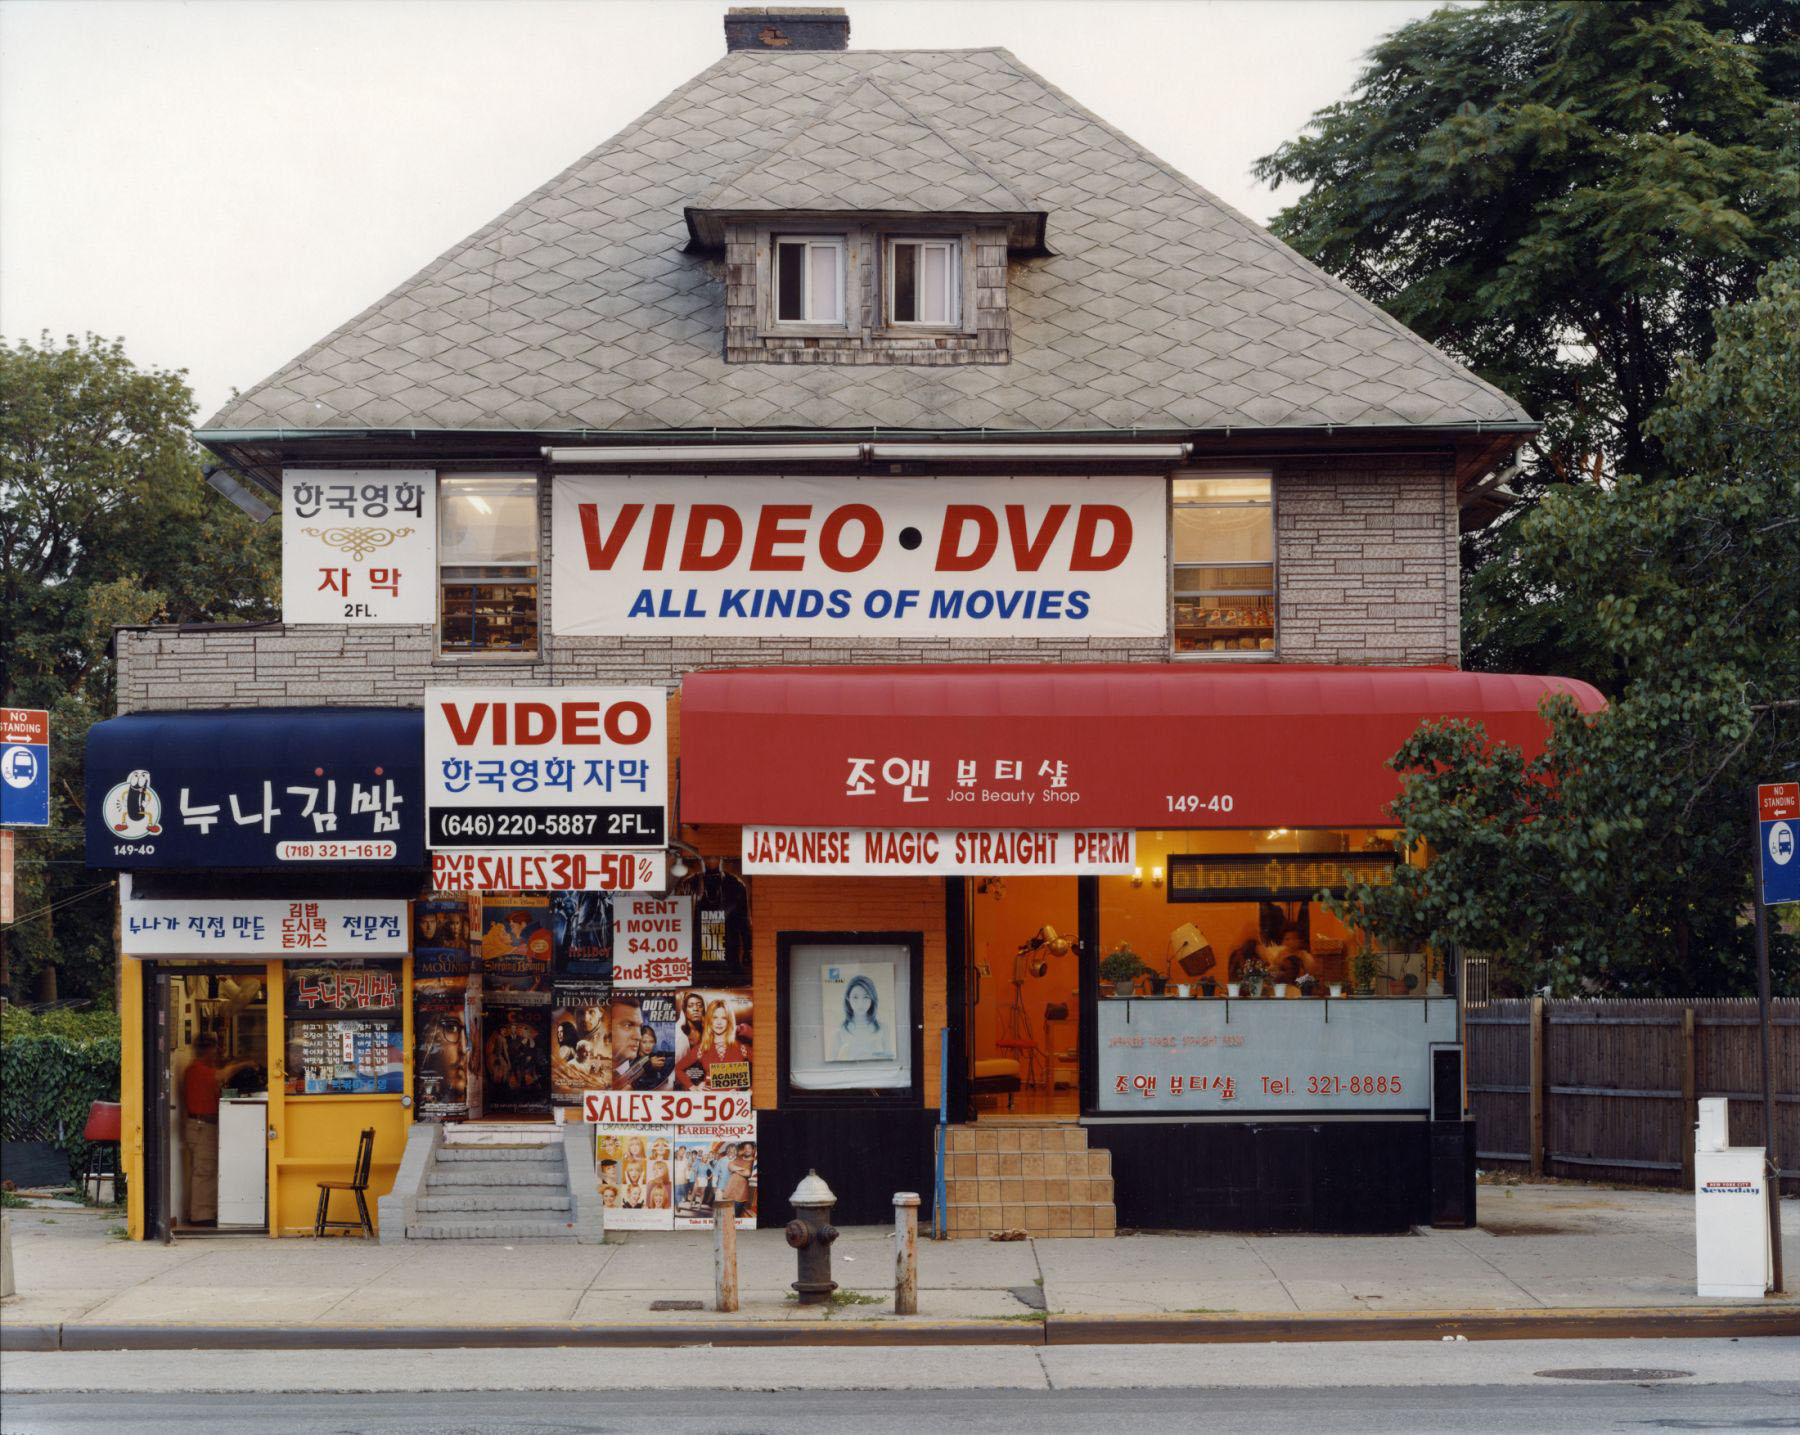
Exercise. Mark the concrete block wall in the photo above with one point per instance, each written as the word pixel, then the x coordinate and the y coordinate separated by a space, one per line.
pixel 1366 572
pixel 1366 561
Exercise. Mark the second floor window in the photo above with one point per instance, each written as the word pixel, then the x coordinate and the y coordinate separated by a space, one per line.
pixel 488 564
pixel 924 281
pixel 809 280
pixel 1223 580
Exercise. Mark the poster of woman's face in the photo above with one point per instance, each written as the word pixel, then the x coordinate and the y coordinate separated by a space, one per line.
pixel 858 1008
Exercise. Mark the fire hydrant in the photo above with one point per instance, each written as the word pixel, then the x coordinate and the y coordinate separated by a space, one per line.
pixel 811 1234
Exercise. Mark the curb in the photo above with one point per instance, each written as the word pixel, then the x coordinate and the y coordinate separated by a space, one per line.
pixel 1610 1323
pixel 1705 1322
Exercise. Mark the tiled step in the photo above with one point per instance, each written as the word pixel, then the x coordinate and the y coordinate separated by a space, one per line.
pixel 515 1174
pixel 483 1198
pixel 996 1138
pixel 1091 1219
pixel 491 1229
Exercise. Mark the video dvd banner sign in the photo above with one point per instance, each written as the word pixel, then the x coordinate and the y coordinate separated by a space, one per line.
pixel 593 870
pixel 560 770
pixel 861 557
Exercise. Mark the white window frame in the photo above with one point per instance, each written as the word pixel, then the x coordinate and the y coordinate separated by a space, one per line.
pixel 524 573
pixel 953 273
pixel 838 244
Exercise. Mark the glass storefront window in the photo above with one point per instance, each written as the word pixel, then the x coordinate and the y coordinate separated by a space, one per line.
pixel 1211 908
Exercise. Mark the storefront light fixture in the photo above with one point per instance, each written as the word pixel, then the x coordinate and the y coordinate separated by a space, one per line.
pixel 1137 876
pixel 680 867
pixel 646 456
pixel 1156 876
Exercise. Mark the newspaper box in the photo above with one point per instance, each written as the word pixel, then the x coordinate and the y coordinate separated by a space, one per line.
pixel 1731 1216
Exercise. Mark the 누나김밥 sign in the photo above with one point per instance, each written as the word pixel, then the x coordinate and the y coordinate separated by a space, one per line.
pixel 358 546
pixel 861 557
pixel 255 788
pixel 564 773
pixel 908 852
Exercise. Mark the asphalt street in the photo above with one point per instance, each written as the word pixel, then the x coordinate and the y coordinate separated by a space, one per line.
pixel 1401 1386
pixel 1586 1407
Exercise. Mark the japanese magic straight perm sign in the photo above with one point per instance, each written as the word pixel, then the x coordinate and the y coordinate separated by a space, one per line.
pixel 860 557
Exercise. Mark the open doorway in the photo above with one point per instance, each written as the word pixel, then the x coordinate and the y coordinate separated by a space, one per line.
pixel 1024 1004
pixel 212 1086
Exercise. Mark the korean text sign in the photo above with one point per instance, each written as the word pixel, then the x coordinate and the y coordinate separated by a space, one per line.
pixel 1160 1056
pixel 256 788
pixel 358 546
pixel 863 557
pixel 563 769
pixel 253 927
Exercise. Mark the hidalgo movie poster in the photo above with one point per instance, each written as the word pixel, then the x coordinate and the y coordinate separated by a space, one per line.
pixel 580 1041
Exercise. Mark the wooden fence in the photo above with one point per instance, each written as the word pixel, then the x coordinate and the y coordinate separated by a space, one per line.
pixel 1607 1090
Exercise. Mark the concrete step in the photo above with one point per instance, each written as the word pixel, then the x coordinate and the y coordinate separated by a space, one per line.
pixel 515 1174
pixel 543 1133
pixel 483 1198
pixel 490 1229
pixel 536 1155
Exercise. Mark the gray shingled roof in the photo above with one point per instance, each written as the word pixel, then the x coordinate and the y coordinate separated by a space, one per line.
pixel 863 149
pixel 580 307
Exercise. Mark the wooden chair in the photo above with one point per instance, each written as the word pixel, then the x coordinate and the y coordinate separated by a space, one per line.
pixel 357 1184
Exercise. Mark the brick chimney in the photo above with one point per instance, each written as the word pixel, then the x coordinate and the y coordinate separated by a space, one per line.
pixel 786 27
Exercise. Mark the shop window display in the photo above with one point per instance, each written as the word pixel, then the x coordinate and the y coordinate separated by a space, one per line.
pixel 1024 1002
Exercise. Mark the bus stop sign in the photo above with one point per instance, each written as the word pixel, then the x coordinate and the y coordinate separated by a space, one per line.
pixel 24 767
pixel 1778 828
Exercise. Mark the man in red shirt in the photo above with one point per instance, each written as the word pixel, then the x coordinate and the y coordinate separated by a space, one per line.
pixel 200 1131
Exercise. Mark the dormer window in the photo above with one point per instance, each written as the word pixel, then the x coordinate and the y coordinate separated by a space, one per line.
pixel 924 281
pixel 809 279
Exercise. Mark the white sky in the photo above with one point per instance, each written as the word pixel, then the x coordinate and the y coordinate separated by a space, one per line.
pixel 222 182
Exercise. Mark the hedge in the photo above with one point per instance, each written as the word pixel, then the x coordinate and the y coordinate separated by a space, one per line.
pixel 46 1085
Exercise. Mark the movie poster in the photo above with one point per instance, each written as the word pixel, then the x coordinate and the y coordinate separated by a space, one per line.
pixel 441 937
pixel 582 924
pixel 667 1177
pixel 713 1034
pixel 516 946
pixel 580 1041
pixel 722 927
pixel 515 1044
pixel 446 1019
pixel 642 1027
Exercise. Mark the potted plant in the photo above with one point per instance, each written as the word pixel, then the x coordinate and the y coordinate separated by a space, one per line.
pixel 1121 967
pixel 1362 970
pixel 1253 976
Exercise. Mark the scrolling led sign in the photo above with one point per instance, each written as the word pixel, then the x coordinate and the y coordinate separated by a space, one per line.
pixel 1196 878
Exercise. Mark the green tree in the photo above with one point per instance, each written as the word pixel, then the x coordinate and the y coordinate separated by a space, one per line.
pixel 1622 860
pixel 1559 195
pixel 105 519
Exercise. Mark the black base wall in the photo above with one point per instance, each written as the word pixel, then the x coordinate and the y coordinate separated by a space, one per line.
pixel 1350 1177
pixel 864 1155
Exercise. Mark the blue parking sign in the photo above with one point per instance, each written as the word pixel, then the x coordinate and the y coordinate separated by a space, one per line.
pixel 24 767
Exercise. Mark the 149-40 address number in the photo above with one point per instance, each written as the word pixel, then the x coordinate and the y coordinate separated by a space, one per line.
pixel 1195 802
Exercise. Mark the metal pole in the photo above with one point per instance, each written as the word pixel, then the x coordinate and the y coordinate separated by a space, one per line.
pixel 725 1270
pixel 906 1253
pixel 1771 1157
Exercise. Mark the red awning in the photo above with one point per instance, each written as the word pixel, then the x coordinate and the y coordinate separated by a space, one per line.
pixel 1146 746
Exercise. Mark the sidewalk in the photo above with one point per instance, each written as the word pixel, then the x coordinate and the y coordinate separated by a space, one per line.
pixel 1550 1257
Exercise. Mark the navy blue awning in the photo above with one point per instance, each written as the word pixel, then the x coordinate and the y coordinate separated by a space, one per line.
pixel 296 789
